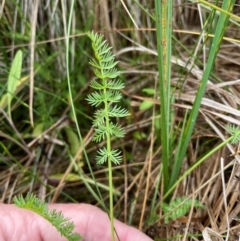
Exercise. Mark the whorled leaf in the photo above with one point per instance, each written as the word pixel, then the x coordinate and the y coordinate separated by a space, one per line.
pixel 95 98
pixel 235 132
pixel 104 155
pixel 110 84
pixel 107 74
pixel 117 111
pixel 112 130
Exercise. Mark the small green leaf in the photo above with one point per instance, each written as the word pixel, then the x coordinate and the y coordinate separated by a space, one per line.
pixel 117 112
pixel 38 130
pixel 99 117
pixel 149 91
pixel 178 208
pixel 102 156
pixel 95 99
pixel 145 105
pixel 113 156
pixel 20 85
pixel 235 132
pixel 139 135
pixel 14 78
pixel 115 85
pixel 73 141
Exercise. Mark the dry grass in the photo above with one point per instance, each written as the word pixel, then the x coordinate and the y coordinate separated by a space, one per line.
pixel 41 163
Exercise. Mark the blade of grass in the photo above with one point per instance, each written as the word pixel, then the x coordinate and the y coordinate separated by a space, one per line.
pixel 144 10
pixel 222 10
pixel 220 30
pixel 14 78
pixel 198 163
pixel 164 40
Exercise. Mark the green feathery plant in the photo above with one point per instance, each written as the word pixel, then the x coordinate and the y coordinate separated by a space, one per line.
pixel 62 224
pixel 107 94
pixel 178 208
pixel 235 133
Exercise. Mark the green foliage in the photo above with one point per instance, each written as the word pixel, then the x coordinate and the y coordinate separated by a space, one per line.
pixel 14 77
pixel 106 94
pixel 171 169
pixel 220 29
pixel 163 11
pixel 62 224
pixel 235 133
pixel 178 208
pixel 145 105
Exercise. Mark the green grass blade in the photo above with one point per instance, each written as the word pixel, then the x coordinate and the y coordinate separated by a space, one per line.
pixel 14 78
pixel 221 10
pixel 197 164
pixel 164 37
pixel 144 9
pixel 220 30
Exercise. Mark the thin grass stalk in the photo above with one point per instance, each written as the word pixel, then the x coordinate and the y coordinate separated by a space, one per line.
pixel 164 40
pixel 198 163
pixel 100 199
pixel 220 30
pixel 221 10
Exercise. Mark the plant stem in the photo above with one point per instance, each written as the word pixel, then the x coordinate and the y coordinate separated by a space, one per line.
pixel 111 197
pixel 108 138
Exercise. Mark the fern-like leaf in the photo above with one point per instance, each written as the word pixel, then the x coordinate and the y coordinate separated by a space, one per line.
pixel 99 117
pixel 117 112
pixel 113 96
pixel 100 134
pixel 115 85
pixel 178 208
pixel 62 224
pixel 95 99
pixel 107 74
pixel 235 132
pixel 104 155
pixel 112 85
pixel 97 85
pixel 113 130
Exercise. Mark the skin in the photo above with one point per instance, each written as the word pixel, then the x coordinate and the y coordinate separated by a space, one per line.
pixel 91 222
